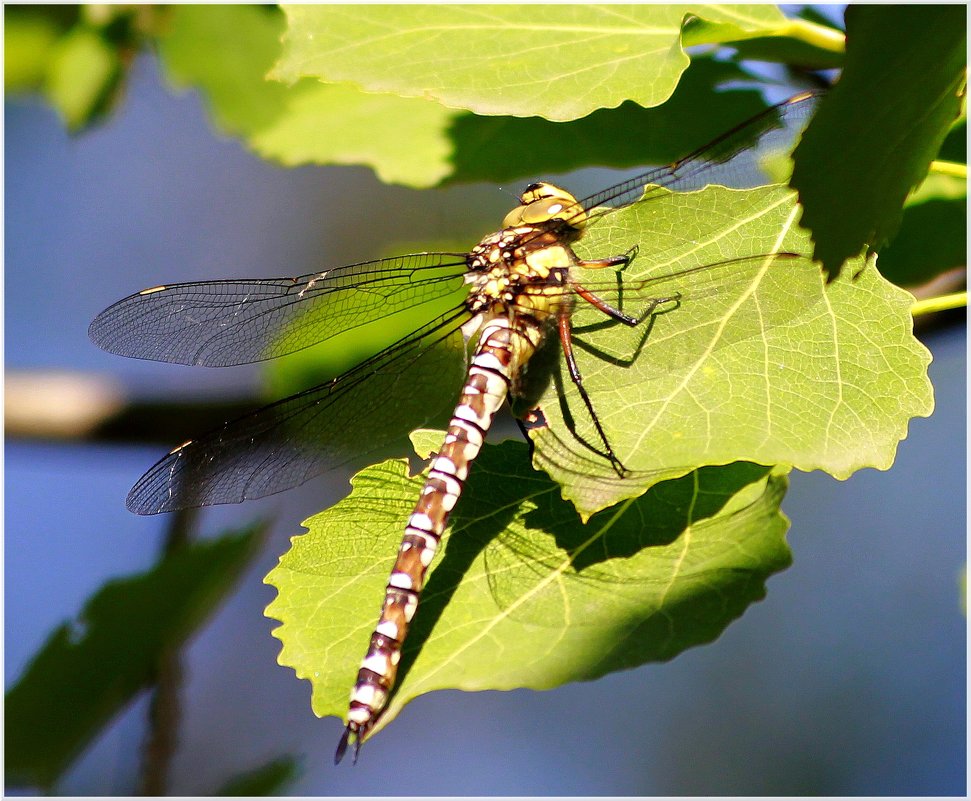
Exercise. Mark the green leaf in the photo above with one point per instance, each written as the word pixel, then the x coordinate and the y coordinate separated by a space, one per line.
pixel 503 149
pixel 558 62
pixel 955 146
pixel 932 238
pixel 307 122
pixel 76 56
pixel 873 138
pixel 230 70
pixel 87 671
pixel 798 42
pixel 523 593
pixel 404 140
pixel 270 779
pixel 757 361
pixel 416 141
pixel 30 36
pixel 82 76
pixel 787 50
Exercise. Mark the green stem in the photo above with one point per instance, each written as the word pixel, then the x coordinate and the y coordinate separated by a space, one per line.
pixel 952 168
pixel 820 36
pixel 942 303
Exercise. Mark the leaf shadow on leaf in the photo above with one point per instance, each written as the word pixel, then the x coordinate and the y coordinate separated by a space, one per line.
pixel 642 332
pixel 505 495
pixel 505 148
pixel 621 557
pixel 664 513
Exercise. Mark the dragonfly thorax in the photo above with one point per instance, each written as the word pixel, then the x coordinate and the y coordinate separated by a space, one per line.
pixel 524 270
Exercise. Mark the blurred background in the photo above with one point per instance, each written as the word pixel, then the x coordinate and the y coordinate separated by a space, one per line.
pixel 848 679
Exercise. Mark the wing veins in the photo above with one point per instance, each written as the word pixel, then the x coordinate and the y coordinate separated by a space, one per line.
pixel 160 488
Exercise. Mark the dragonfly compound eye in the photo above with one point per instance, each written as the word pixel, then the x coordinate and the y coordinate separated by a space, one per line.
pixel 543 202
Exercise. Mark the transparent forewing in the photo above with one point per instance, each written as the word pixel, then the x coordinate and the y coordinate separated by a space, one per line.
pixel 741 158
pixel 413 383
pixel 223 323
pixel 715 283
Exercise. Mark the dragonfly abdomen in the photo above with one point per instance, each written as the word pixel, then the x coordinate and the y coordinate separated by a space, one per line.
pixel 504 345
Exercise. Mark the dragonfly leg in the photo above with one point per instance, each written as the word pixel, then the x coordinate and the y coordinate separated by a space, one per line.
pixel 616 314
pixel 620 261
pixel 566 339
pixel 606 308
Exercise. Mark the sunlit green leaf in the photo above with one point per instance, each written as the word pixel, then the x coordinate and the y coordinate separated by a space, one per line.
pixel 417 141
pixel 758 360
pixel 523 594
pixel 559 62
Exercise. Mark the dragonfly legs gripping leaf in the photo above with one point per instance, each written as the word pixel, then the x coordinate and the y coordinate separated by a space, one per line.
pixel 564 327
pixel 566 340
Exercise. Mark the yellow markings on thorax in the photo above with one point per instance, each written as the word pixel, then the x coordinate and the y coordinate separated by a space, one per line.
pixel 543 262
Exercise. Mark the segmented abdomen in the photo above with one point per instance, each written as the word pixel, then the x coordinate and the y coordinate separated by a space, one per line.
pixel 502 347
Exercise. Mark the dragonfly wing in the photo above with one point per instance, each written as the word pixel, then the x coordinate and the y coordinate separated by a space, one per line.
pixel 223 323
pixel 408 385
pixel 740 158
pixel 636 296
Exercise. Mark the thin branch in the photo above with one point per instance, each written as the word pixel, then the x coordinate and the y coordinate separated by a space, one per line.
pixel 83 408
pixel 941 303
pixel 165 710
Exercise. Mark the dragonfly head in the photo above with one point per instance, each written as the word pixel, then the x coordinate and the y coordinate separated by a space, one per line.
pixel 543 202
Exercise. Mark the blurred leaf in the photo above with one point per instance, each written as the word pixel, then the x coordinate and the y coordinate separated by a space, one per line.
pixel 230 70
pixel 405 141
pixel 77 56
pixel 88 670
pixel 932 238
pixel 83 75
pixel 496 60
pixel 307 122
pixel 955 146
pixel 30 34
pixel 271 779
pixel 878 130
pixel 756 360
pixel 524 594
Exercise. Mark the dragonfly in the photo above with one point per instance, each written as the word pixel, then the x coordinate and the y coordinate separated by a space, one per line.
pixel 503 300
